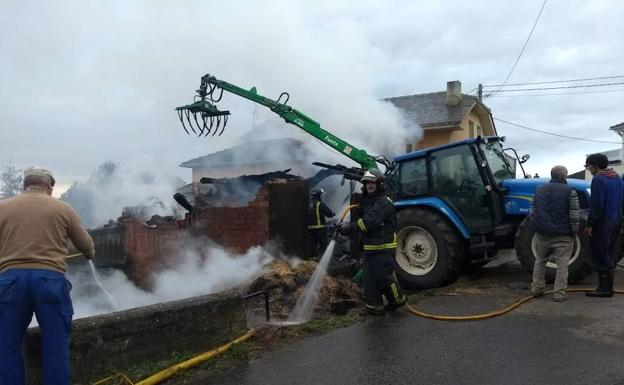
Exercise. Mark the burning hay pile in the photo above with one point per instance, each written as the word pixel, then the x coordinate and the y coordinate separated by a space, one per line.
pixel 285 284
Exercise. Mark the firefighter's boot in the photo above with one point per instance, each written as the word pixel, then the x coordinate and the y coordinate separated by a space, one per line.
pixel 375 309
pixel 605 285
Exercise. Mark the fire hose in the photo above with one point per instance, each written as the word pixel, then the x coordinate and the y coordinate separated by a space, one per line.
pixel 478 317
pixel 108 296
pixel 172 370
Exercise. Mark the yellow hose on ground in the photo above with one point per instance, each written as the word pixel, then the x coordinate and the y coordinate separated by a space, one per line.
pixel 164 374
pixel 493 314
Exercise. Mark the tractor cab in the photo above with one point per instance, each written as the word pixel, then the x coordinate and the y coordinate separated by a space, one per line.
pixel 466 176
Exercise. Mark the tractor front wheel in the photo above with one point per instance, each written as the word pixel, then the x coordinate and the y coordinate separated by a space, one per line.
pixel 429 251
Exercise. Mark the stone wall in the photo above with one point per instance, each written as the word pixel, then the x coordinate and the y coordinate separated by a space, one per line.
pixel 131 338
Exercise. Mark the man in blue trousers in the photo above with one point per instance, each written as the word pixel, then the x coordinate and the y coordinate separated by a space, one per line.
pixel 34 228
pixel 604 222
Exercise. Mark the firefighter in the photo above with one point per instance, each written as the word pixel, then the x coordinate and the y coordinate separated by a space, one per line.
pixel 317 232
pixel 377 226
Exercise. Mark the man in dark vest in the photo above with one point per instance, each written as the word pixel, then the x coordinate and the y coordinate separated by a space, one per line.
pixel 604 222
pixel 555 217
pixel 317 232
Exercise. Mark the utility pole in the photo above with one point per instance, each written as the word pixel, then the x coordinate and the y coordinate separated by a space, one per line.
pixel 480 91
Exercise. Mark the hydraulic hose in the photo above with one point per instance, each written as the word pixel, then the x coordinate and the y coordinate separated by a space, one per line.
pixel 478 317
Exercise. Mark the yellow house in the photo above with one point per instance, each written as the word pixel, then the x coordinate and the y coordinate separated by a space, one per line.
pixel 446 116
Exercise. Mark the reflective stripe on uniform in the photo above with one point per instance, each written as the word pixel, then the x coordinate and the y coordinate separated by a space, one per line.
pixel 384 246
pixel 399 297
pixel 318 224
pixel 361 224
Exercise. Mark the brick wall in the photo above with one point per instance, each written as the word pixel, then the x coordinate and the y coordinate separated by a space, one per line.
pixel 278 212
pixel 235 228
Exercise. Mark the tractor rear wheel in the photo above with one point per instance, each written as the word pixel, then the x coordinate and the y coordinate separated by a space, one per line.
pixel 429 250
pixel 579 266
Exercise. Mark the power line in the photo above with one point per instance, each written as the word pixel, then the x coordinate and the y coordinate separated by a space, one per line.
pixel 554 134
pixel 555 81
pixel 557 88
pixel 560 93
pixel 524 46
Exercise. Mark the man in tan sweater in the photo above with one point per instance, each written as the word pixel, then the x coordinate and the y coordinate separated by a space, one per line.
pixel 34 229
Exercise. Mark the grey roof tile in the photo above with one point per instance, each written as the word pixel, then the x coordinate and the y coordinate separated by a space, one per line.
pixel 431 110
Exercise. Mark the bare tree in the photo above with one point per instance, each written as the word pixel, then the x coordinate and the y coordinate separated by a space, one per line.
pixel 10 181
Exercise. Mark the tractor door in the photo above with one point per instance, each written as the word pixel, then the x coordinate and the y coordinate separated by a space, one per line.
pixel 456 178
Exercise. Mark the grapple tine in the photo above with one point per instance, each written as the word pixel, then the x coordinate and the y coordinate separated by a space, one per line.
pixel 199 127
pixel 217 126
pixel 188 119
pixel 225 119
pixel 182 121
pixel 208 119
pixel 211 125
pixel 205 128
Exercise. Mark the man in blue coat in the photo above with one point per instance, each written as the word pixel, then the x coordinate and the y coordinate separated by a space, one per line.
pixel 604 222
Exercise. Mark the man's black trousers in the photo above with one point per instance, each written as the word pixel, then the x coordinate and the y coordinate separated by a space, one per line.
pixel 603 238
pixel 379 279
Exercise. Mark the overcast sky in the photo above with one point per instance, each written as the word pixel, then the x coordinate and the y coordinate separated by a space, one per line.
pixel 83 82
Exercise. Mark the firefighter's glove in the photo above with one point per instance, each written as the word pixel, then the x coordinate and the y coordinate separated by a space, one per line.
pixel 346 228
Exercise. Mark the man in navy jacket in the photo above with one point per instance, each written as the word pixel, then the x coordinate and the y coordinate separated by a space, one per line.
pixel 555 216
pixel 604 222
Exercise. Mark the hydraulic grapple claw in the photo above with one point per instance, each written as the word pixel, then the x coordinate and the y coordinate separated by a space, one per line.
pixel 203 109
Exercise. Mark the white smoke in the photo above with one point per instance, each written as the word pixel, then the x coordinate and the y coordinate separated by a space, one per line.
pixel 113 187
pixel 122 78
pixel 195 273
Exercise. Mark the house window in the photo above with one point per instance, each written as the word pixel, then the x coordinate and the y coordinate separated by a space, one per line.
pixel 471 131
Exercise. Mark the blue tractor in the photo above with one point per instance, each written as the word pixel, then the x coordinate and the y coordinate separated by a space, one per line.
pixel 459 203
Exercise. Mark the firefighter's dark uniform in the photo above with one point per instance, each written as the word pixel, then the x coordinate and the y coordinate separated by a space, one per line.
pixel 317 232
pixel 377 226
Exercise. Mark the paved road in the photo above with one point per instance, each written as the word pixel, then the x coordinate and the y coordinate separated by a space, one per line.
pixel 580 341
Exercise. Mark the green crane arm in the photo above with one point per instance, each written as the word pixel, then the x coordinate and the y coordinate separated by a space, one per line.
pixel 290 115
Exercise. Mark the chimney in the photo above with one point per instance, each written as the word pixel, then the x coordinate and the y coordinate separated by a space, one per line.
pixel 453 93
